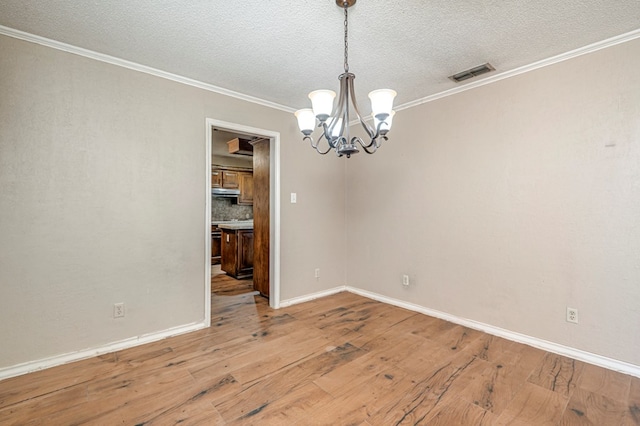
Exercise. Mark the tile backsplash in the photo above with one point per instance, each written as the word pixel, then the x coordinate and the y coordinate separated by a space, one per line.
pixel 224 209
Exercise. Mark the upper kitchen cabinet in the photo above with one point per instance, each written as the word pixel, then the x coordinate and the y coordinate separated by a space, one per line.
pixel 246 189
pixel 234 178
pixel 225 178
pixel 230 179
pixel 216 178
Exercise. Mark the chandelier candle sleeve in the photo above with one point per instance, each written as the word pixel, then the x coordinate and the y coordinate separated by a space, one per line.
pixel 334 125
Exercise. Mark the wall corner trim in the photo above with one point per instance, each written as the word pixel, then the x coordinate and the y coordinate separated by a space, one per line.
pixel 41 364
pixel 580 355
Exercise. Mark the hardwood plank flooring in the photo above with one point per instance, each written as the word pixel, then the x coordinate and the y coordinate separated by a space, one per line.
pixel 339 360
pixel 224 285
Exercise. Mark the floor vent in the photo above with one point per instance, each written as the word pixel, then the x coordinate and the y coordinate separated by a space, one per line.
pixel 473 72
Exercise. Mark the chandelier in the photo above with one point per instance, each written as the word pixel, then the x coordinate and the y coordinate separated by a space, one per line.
pixel 335 128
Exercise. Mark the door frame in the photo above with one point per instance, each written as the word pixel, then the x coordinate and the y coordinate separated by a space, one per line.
pixel 274 207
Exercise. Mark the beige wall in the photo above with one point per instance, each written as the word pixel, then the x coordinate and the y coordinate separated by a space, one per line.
pixel 507 203
pixel 102 200
pixel 504 204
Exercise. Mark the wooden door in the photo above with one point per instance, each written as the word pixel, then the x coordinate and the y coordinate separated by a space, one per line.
pixel 229 179
pixel 229 249
pixel 245 253
pixel 216 240
pixel 216 178
pixel 246 189
pixel 261 216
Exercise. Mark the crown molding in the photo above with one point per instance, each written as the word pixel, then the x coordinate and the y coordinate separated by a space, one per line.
pixel 623 38
pixel 137 67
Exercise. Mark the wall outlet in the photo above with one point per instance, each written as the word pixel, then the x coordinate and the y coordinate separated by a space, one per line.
pixel 572 315
pixel 405 280
pixel 317 274
pixel 118 310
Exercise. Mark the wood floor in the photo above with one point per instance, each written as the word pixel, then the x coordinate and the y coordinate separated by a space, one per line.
pixel 340 360
pixel 224 285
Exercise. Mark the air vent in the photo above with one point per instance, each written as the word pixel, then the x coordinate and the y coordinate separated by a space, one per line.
pixel 473 72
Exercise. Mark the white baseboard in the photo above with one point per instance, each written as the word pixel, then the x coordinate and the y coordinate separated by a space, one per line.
pixel 31 366
pixel 580 355
pixel 588 357
pixel 312 296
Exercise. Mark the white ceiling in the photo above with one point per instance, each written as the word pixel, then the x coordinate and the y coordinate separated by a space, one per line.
pixel 279 50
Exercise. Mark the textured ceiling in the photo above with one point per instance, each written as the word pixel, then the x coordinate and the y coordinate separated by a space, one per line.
pixel 279 50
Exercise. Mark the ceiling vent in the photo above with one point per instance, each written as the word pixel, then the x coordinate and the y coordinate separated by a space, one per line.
pixel 473 72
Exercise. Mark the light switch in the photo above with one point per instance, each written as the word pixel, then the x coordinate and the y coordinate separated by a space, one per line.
pixel 294 198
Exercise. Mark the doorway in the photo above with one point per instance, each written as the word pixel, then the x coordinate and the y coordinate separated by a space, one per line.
pixel 267 245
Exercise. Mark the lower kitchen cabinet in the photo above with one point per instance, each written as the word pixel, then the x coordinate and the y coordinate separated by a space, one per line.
pixel 216 240
pixel 237 252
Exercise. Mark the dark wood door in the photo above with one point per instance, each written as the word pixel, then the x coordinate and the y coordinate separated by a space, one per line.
pixel 216 247
pixel 245 180
pixel 245 253
pixel 229 252
pixel 261 216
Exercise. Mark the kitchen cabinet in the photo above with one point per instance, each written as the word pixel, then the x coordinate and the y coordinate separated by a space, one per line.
pixel 237 252
pixel 245 182
pixel 216 247
pixel 216 178
pixel 230 179
pixel 225 178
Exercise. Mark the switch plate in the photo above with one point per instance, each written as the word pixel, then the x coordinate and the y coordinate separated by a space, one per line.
pixel 405 280
pixel 294 198
pixel 317 273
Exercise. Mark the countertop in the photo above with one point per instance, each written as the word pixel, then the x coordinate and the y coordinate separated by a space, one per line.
pixel 234 224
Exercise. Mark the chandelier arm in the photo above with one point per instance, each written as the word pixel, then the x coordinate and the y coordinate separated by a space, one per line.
pixel 316 145
pixel 371 147
pixel 341 104
pixel 367 147
pixel 326 134
pixel 366 127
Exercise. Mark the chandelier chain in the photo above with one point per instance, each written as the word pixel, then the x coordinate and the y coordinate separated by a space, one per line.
pixel 346 41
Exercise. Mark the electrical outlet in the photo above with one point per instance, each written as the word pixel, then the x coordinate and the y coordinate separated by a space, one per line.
pixel 118 310
pixel 572 315
pixel 317 272
pixel 405 280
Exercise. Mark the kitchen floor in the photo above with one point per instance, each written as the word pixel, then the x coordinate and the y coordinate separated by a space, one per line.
pixel 224 285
